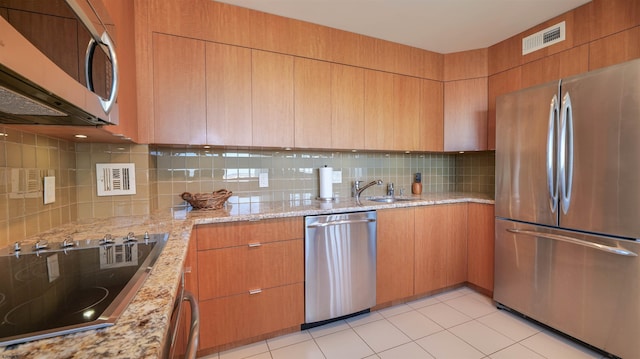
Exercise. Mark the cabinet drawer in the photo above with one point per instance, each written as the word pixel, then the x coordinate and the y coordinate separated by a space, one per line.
pixel 229 319
pixel 221 235
pixel 235 270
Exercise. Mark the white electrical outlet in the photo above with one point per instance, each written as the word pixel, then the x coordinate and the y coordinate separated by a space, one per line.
pixel 263 180
pixel 49 189
pixel 337 177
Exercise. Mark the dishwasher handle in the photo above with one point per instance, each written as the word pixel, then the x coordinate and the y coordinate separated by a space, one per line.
pixel 335 223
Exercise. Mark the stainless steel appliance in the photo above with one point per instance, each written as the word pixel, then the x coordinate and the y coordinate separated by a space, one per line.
pixel 171 349
pixel 567 204
pixel 58 289
pixel 58 63
pixel 340 265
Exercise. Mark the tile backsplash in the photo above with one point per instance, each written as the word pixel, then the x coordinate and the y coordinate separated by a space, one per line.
pixel 162 173
pixel 293 175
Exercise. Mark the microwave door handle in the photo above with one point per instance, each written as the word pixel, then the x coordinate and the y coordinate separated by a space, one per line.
pixel 105 39
pixel 552 143
pixel 566 152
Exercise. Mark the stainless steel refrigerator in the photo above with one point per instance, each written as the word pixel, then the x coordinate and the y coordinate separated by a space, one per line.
pixel 568 206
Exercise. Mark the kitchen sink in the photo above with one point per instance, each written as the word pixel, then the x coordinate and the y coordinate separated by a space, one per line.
pixel 390 199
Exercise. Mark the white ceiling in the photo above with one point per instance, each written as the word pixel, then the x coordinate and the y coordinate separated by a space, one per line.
pixel 442 26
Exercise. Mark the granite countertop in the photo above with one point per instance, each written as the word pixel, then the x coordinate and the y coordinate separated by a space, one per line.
pixel 141 329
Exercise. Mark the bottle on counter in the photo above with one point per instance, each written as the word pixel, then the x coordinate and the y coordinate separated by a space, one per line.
pixel 416 187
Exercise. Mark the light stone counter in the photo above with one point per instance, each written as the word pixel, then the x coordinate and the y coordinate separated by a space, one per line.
pixel 141 329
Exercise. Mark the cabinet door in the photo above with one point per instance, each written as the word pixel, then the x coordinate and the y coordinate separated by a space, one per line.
pixel 235 270
pixel 272 99
pixel 347 103
pixel 230 319
pixel 432 116
pixel 228 95
pixel 440 247
pixel 312 83
pixel 394 268
pixel 179 91
pixel 378 110
pixel 465 115
pixel 480 245
pixel 406 114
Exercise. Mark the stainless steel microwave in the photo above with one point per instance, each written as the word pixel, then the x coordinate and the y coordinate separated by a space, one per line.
pixel 58 63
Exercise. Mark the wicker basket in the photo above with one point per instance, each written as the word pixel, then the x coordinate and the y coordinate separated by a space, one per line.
pixel 213 200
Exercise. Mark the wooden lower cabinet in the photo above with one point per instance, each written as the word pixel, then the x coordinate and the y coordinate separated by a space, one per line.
pixel 440 246
pixel 235 318
pixel 394 267
pixel 235 270
pixel 480 246
pixel 248 278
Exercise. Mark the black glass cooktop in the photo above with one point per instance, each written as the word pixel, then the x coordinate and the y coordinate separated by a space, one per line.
pixel 56 291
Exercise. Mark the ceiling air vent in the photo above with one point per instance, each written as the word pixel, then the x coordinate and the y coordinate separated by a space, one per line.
pixel 541 39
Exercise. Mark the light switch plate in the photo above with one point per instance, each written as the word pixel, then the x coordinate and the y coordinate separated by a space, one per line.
pixel 337 177
pixel 49 189
pixel 263 179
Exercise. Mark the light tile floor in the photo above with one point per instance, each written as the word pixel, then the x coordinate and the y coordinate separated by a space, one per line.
pixel 457 324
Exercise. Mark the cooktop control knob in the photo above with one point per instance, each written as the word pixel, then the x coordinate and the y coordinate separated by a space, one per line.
pixel 68 242
pixel 129 238
pixel 16 247
pixel 41 245
pixel 108 239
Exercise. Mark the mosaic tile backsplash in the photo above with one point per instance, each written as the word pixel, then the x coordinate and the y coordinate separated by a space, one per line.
pixel 162 173
pixel 293 175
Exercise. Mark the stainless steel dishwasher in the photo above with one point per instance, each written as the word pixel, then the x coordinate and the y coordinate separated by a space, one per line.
pixel 340 265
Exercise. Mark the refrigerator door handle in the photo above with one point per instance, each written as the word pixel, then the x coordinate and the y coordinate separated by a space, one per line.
pixel 557 237
pixel 552 179
pixel 566 152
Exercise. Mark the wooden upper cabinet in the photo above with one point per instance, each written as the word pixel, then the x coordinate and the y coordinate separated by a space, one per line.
pixel 378 110
pixel 499 84
pixel 431 127
pixel 347 107
pixel 179 90
pixel 312 104
pixel 465 115
pixel 272 99
pixel 228 95
pixel 406 124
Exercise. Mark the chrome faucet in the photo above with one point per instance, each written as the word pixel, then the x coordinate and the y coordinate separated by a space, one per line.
pixel 390 190
pixel 359 189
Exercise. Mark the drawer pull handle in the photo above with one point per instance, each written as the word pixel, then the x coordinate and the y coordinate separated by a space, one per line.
pixel 255 291
pixel 253 245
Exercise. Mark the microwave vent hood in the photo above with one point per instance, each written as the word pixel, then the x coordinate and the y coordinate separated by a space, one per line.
pixel 35 90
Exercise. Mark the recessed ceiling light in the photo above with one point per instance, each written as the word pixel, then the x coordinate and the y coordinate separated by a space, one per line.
pixel 206 146
pixel 80 136
pixel 4 134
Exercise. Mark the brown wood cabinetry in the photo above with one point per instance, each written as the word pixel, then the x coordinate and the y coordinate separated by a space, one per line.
pixel 378 110
pixel 179 90
pixel 228 82
pixel 393 112
pixel 395 256
pixel 431 127
pixel 250 279
pixel 272 99
pixel 480 246
pixel 440 246
pixel 347 107
pixel 465 115
pixel 312 103
pixel 407 106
